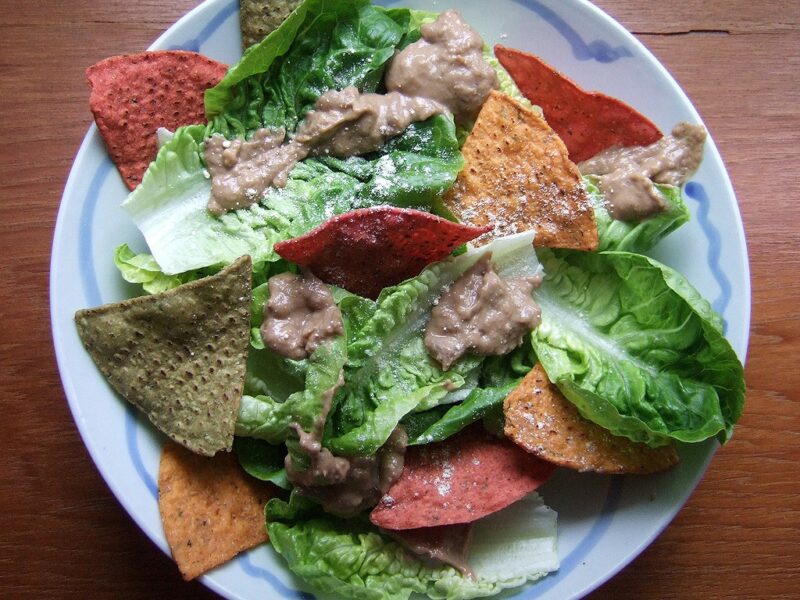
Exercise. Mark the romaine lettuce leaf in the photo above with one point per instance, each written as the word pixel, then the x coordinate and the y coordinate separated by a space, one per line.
pixel 389 372
pixel 352 559
pixel 324 44
pixel 482 399
pixel 268 418
pixel 506 83
pixel 641 236
pixel 634 346
pixel 478 404
pixel 169 206
pixel 262 460
pixel 142 268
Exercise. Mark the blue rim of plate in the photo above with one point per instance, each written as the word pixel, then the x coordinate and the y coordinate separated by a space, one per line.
pixel 597 50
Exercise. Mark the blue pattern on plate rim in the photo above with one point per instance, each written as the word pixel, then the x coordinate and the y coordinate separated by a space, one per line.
pixel 696 191
pixel 598 50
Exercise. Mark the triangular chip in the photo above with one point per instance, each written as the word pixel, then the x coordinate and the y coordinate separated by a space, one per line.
pixel 259 18
pixel 368 249
pixel 543 422
pixel 180 355
pixel 517 177
pixel 211 510
pixel 588 122
pixel 468 476
pixel 135 94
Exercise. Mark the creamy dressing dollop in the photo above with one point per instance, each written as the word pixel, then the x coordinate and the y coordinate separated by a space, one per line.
pixel 481 313
pixel 627 176
pixel 446 65
pixel 299 316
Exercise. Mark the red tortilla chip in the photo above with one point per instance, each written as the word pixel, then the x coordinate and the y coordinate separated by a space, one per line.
pixel 368 249
pixel 135 94
pixel 460 480
pixel 588 122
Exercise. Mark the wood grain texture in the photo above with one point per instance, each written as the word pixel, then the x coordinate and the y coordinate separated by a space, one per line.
pixel 63 534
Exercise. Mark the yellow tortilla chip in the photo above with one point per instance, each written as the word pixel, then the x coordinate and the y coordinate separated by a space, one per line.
pixel 542 421
pixel 518 176
pixel 211 510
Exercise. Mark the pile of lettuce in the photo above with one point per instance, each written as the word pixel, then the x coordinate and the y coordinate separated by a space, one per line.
pixel 627 339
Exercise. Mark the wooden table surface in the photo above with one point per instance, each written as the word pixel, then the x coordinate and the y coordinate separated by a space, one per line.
pixel 62 532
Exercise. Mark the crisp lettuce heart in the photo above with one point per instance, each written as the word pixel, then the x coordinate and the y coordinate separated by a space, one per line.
pixel 635 347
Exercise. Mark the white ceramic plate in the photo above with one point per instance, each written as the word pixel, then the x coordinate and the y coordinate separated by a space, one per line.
pixel 604 522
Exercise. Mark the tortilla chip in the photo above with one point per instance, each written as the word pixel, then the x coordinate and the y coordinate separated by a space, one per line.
pixel 368 249
pixel 259 18
pixel 179 356
pixel 588 122
pixel 460 480
pixel 133 95
pixel 542 421
pixel 517 177
pixel 211 510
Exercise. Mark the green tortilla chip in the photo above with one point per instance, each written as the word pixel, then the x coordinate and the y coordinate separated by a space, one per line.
pixel 259 18
pixel 179 356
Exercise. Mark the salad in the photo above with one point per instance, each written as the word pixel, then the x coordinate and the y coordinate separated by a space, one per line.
pixel 338 392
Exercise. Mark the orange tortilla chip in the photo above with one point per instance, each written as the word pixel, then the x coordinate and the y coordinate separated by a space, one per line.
pixel 211 510
pixel 518 176
pixel 542 421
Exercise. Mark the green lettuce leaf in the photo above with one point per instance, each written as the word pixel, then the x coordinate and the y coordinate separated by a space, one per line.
pixel 478 404
pixel 169 207
pixel 324 44
pixel 142 268
pixel 483 399
pixel 268 418
pixel 635 347
pixel 351 559
pixel 389 372
pixel 641 236
pixel 262 460
pixel 270 374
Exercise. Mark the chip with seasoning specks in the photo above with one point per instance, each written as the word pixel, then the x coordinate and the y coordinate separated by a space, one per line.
pixel 368 249
pixel 179 356
pixel 459 480
pixel 259 18
pixel 517 177
pixel 135 94
pixel 588 122
pixel 542 421
pixel 210 509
